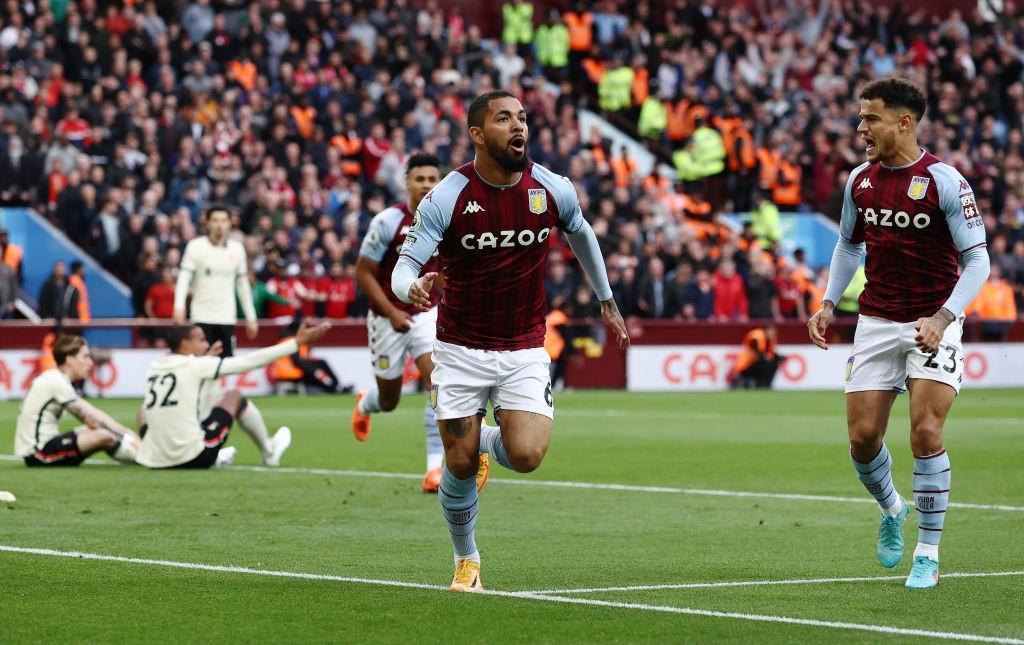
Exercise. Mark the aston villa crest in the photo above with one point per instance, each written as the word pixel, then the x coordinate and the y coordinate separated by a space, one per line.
pixel 918 187
pixel 538 200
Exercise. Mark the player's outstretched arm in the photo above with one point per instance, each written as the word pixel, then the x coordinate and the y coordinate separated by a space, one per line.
pixel 307 334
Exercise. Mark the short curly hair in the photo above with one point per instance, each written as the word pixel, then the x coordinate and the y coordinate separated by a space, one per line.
pixel 895 91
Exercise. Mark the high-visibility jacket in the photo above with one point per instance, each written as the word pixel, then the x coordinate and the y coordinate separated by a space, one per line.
pixel 850 302
pixel 708 151
pixel 46 359
pixel 12 256
pixel 581 31
pixel 641 85
pixel 284 368
pixel 740 151
pixel 614 92
pixel 755 345
pixel 595 69
pixel 994 302
pixel 682 119
pixel 518 29
pixel 554 343
pixel 686 167
pixel 815 294
pixel 781 176
pixel 349 147
pixel 766 223
pixel 552 44
pixel 304 120
pixel 653 118
pixel 83 297
pixel 243 73
pixel 622 170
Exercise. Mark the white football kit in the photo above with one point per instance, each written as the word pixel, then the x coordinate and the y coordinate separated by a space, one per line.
pixel 175 398
pixel 40 412
pixel 214 273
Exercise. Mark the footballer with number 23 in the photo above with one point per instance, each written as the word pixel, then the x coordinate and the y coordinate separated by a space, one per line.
pixel 919 220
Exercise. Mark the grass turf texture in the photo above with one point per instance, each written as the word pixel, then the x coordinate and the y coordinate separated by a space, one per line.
pixel 531 537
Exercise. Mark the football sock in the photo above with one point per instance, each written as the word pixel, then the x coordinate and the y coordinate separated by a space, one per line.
pixel 876 475
pixel 125 449
pixel 251 421
pixel 371 402
pixel 490 442
pixel 435 449
pixel 458 499
pixel 931 495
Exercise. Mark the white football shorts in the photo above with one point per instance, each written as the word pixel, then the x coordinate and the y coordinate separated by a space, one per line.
pixel 389 348
pixel 465 379
pixel 885 355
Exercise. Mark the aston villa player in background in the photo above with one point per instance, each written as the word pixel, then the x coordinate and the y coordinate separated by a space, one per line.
pixel 919 220
pixel 490 220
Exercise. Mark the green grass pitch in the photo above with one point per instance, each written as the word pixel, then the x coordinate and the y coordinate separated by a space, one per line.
pixel 340 510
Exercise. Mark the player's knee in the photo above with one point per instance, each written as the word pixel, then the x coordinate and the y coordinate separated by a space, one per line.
pixel 926 435
pixel 462 465
pixel 528 460
pixel 107 440
pixel 387 401
pixel 864 443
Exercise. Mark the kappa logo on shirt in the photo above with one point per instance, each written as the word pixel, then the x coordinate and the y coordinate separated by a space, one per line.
pixel 866 183
pixel 473 208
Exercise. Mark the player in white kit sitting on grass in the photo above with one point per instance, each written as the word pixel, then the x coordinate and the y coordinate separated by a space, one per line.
pixel 38 439
pixel 181 430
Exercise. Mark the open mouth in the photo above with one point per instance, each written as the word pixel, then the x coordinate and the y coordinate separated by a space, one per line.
pixel 869 145
pixel 517 145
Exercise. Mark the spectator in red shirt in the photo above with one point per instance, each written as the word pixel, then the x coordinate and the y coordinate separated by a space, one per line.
pixel 730 294
pixel 159 301
pixel 791 298
pixel 375 147
pixel 312 284
pixel 75 128
pixel 340 291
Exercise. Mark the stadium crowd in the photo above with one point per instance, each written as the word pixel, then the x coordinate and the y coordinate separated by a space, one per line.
pixel 121 122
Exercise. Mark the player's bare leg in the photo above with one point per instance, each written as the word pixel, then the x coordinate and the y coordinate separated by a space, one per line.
pixel 930 402
pixel 458 496
pixel 867 417
pixel 383 398
pixel 90 441
pixel 250 420
pixel 435 447
pixel 525 437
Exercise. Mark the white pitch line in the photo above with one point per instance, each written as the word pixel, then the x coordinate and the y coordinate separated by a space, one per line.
pixel 547 483
pixel 763 583
pixel 525 595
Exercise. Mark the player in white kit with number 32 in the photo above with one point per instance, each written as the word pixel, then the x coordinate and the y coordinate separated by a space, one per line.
pixel 181 427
